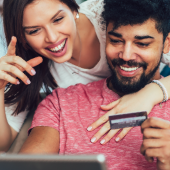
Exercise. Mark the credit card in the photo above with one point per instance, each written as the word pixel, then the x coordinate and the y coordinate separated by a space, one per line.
pixel 132 119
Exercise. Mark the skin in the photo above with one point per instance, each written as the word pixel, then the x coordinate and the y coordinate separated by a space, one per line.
pixel 51 32
pixel 156 142
pixel 155 131
pixel 16 65
pixel 122 43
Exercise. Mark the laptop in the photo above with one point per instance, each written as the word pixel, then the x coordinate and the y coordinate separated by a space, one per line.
pixel 52 162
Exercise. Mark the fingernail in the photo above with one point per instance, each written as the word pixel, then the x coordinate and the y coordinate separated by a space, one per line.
pixel 117 139
pixel 28 81
pixel 102 141
pixel 89 128
pixel 102 105
pixel 18 82
pixel 93 139
pixel 33 72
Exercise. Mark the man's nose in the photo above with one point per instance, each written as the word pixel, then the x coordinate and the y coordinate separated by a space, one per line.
pixel 127 52
pixel 51 35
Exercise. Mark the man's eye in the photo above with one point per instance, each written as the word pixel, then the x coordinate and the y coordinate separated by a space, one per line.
pixel 58 19
pixel 115 41
pixel 32 32
pixel 143 44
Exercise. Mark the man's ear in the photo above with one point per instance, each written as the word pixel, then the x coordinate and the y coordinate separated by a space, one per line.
pixel 167 44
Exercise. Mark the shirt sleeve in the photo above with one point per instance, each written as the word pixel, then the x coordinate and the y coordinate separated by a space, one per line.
pixel 47 113
pixel 15 121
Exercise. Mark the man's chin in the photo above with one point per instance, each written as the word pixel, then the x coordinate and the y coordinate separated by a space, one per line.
pixel 126 85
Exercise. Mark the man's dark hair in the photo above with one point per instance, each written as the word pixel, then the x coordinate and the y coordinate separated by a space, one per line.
pixel 125 12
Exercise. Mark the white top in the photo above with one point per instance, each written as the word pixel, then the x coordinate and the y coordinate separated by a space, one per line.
pixel 67 74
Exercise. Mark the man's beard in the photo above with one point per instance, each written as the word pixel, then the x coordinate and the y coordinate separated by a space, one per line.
pixel 127 85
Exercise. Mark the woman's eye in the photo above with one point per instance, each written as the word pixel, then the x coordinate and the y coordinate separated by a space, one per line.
pixel 32 32
pixel 143 44
pixel 58 19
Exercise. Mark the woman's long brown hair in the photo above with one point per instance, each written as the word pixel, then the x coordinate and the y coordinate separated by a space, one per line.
pixel 27 96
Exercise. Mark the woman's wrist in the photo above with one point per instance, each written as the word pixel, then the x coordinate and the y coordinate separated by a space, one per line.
pixel 153 93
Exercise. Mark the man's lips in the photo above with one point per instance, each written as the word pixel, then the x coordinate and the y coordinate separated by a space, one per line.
pixel 127 71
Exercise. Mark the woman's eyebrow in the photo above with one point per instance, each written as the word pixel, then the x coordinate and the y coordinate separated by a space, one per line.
pixel 28 27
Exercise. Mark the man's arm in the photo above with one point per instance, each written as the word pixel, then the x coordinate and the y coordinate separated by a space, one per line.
pixel 156 142
pixel 42 140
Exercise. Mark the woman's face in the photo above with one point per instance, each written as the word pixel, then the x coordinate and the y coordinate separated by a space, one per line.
pixel 50 29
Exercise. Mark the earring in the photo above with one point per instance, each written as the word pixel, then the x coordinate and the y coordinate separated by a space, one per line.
pixel 77 16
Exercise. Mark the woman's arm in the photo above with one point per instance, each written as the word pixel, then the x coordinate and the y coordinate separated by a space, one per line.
pixel 7 133
pixel 145 99
pixel 12 66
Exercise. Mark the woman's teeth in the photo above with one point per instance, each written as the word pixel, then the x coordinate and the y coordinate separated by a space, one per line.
pixel 129 68
pixel 59 47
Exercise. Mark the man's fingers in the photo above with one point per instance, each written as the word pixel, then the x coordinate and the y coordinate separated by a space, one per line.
pixel 155 152
pixel 12 46
pixel 155 122
pixel 110 105
pixel 155 133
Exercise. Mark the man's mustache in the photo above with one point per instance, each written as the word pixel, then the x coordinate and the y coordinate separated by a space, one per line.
pixel 130 63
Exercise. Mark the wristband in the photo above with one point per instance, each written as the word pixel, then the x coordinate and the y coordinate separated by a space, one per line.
pixel 165 93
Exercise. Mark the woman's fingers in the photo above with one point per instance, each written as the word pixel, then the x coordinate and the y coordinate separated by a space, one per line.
pixel 101 132
pixel 12 60
pixel 110 106
pixel 8 79
pixel 122 134
pixel 35 61
pixel 111 133
pixel 100 121
pixel 15 72
pixel 12 46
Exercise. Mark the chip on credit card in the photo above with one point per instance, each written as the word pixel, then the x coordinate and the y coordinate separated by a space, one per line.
pixel 132 119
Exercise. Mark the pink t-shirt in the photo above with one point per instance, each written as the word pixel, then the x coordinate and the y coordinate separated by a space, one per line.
pixel 72 110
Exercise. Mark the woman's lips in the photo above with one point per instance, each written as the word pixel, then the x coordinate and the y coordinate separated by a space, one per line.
pixel 61 51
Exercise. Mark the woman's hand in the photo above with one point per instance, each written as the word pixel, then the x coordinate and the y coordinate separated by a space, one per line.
pixel 143 100
pixel 12 66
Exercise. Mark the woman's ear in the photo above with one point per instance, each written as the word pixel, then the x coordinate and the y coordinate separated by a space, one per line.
pixel 167 44
pixel 76 15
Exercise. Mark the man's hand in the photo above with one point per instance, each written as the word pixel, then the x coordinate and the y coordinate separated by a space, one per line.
pixel 156 142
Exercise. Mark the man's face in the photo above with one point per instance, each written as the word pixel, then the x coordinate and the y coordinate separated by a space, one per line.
pixel 133 54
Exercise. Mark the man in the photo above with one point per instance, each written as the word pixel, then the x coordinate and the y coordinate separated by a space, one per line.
pixel 134 46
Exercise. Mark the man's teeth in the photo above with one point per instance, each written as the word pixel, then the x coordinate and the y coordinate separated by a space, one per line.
pixel 59 47
pixel 129 68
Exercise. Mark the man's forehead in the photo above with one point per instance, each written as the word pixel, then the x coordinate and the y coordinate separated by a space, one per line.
pixel 147 28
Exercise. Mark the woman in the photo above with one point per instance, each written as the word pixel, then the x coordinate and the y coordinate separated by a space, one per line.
pixel 73 51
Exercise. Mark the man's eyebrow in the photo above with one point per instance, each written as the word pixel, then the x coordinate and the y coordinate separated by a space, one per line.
pixel 143 37
pixel 38 26
pixel 115 34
